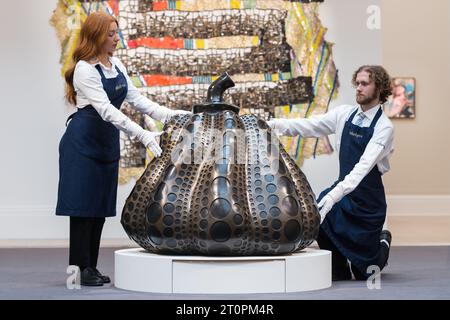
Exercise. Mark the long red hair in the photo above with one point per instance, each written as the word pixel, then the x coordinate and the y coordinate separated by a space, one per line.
pixel 93 34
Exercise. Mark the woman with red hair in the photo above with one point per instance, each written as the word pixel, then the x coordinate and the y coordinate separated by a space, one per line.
pixel 89 151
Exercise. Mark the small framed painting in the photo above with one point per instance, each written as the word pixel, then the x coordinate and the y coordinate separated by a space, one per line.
pixel 402 104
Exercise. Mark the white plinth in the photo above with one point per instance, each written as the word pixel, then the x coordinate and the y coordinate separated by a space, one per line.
pixel 138 270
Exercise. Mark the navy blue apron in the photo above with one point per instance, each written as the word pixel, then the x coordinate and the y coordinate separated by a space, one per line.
pixel 89 154
pixel 354 223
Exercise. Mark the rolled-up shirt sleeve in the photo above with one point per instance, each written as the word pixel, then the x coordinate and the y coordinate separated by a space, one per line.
pixel 375 151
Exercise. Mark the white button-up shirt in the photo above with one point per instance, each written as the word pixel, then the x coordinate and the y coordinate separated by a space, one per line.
pixel 89 91
pixel 377 152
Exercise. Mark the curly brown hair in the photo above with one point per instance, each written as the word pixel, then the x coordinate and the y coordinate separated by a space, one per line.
pixel 383 82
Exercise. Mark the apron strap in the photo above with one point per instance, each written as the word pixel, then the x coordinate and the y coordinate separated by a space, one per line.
pixel 375 120
pixel 352 116
pixel 70 117
pixel 99 69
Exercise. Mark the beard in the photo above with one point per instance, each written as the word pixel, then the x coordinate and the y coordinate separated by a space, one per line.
pixel 364 100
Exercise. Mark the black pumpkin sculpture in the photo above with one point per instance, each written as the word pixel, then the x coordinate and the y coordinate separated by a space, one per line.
pixel 221 188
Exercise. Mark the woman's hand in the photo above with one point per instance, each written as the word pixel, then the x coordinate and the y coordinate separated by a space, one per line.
pixel 149 139
pixel 170 113
pixel 181 112
pixel 325 205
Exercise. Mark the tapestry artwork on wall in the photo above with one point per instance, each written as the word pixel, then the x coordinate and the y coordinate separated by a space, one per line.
pixel 274 50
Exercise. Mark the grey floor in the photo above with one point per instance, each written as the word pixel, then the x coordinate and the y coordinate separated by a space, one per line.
pixel 412 273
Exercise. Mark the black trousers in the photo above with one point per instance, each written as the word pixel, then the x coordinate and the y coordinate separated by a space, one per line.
pixel 339 262
pixel 85 234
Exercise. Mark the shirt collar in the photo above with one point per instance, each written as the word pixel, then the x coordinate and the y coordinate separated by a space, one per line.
pixel 370 114
pixel 103 66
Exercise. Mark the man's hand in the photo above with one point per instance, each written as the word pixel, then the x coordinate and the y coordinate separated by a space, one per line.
pixel 280 126
pixel 271 124
pixel 325 206
pixel 276 124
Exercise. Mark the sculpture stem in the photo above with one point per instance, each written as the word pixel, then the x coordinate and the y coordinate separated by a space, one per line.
pixel 218 87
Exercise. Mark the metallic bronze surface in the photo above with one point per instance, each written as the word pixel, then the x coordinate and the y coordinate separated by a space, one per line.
pixel 224 185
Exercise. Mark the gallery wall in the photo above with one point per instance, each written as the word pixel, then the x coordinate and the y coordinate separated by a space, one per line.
pixel 33 110
pixel 416 43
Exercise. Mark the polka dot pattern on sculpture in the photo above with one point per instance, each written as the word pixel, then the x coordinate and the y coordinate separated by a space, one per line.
pixel 247 201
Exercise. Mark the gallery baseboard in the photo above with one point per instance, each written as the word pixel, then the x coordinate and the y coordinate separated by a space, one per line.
pixel 40 222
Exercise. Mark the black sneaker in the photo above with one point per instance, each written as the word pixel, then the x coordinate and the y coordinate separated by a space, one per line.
pixel 90 278
pixel 387 236
pixel 104 278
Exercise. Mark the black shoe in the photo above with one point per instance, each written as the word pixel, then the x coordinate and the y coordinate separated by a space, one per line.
pixel 386 235
pixel 90 278
pixel 104 278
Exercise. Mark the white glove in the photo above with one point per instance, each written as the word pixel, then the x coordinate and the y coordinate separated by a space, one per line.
pixel 181 112
pixel 280 126
pixel 173 113
pixel 271 124
pixel 149 139
pixel 163 114
pixel 325 206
